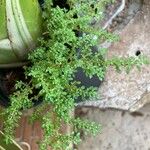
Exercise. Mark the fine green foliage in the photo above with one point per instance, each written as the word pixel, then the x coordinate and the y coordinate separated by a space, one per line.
pixel 51 75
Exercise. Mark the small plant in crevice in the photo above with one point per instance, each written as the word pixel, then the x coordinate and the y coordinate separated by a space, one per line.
pixel 61 52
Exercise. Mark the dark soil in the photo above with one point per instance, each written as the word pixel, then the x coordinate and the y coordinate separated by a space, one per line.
pixel 8 78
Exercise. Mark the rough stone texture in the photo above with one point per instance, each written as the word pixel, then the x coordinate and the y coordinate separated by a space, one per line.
pixel 128 91
pixel 121 130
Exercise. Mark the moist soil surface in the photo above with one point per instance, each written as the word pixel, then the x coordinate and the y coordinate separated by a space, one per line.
pixel 8 78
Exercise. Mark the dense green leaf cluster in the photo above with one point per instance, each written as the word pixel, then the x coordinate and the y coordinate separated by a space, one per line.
pixel 66 46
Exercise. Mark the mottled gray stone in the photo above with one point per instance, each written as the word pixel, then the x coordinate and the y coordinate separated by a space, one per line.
pixel 128 91
pixel 121 130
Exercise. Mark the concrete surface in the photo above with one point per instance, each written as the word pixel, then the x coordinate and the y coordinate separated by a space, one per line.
pixel 121 130
pixel 128 91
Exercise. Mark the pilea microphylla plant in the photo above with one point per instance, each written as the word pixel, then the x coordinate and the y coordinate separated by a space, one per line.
pixel 50 76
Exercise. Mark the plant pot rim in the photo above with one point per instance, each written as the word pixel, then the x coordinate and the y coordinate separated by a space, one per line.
pixel 13 65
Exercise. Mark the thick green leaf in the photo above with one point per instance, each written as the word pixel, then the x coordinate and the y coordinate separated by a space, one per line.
pixel 3 29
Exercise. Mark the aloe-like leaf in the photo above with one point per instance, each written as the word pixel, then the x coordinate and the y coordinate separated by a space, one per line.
pixel 18 30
